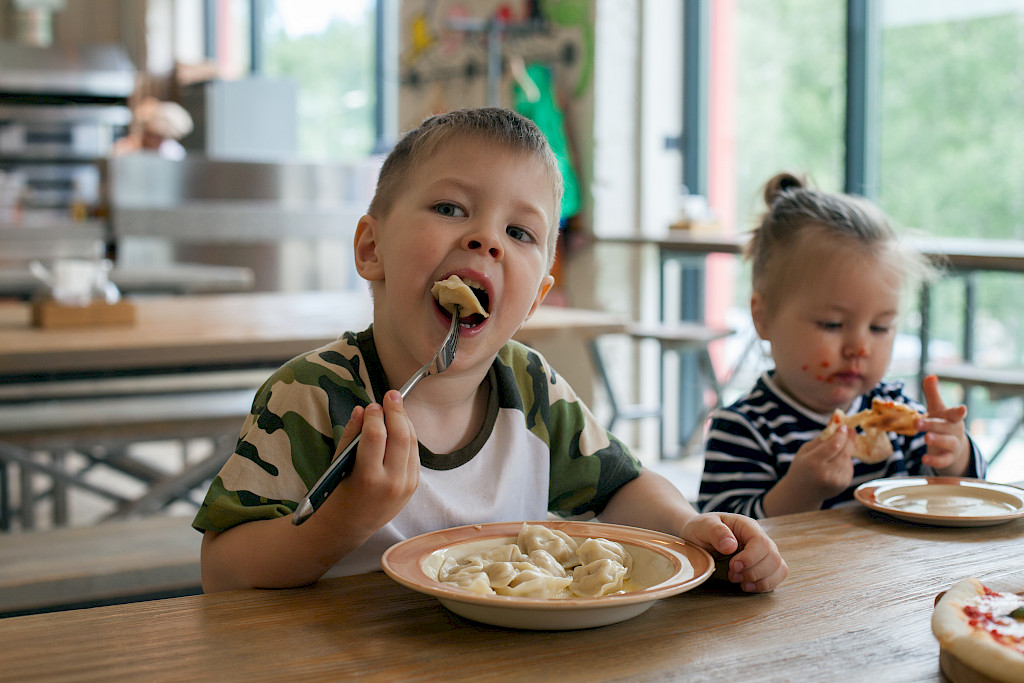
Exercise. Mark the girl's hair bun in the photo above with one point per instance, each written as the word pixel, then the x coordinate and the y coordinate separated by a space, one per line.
pixel 782 182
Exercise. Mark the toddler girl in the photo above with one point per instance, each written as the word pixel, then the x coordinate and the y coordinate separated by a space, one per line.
pixel 827 274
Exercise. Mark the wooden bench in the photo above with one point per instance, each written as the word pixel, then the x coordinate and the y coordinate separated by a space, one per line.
pixel 99 420
pixel 113 562
pixel 1001 384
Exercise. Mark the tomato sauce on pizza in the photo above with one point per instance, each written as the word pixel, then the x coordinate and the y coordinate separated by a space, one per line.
pixel 993 612
pixel 982 628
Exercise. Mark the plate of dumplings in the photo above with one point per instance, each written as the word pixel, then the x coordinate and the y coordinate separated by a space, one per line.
pixel 549 575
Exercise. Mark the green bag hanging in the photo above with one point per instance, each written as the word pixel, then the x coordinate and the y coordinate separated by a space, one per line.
pixel 545 113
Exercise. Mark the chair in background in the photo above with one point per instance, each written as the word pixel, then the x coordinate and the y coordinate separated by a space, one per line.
pixel 1001 383
pixel 678 338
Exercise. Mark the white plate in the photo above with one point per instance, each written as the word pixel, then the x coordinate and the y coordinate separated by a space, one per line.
pixel 943 501
pixel 666 565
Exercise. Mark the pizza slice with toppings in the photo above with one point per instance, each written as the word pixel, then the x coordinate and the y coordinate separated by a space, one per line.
pixel 982 629
pixel 872 444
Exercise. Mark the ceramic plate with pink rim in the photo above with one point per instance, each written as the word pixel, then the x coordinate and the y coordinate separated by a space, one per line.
pixel 663 566
pixel 943 501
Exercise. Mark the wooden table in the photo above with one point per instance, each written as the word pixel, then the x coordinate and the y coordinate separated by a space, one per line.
pixel 171 332
pixel 856 607
pixel 228 330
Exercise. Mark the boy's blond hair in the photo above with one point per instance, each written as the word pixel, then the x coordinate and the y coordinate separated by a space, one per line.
pixel 496 125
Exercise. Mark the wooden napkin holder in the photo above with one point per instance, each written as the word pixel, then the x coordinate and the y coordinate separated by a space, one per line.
pixel 52 313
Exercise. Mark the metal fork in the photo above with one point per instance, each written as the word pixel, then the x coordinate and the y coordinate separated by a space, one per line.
pixel 341 467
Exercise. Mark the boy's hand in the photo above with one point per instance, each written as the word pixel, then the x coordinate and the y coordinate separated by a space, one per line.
pixel 386 470
pixel 949 450
pixel 756 564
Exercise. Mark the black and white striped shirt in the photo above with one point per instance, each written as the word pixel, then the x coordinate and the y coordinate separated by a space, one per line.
pixel 752 442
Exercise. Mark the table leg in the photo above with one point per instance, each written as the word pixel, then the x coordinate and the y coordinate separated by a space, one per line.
pixel 924 304
pixel 5 497
pixel 970 299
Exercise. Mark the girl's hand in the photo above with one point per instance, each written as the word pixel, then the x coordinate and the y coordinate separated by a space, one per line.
pixel 755 563
pixel 819 471
pixel 949 449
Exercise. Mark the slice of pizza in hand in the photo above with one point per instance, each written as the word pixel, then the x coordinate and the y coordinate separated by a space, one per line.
pixel 981 629
pixel 871 444
pixel 454 292
pixel 890 416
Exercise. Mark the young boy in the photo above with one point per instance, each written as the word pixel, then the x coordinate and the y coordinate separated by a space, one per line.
pixel 498 436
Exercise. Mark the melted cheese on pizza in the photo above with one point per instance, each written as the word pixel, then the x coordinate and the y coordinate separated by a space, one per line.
pixel 991 611
pixel 982 628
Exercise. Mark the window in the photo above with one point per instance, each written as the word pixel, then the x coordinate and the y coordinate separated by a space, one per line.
pixel 951 144
pixel 944 82
pixel 327 47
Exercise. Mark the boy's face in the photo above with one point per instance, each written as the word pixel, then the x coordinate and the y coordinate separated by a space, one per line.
pixel 475 210
pixel 832 333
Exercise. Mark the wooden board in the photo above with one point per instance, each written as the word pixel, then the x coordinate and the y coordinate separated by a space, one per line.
pixel 50 313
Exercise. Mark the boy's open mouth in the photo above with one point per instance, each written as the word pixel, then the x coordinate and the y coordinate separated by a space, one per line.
pixel 469 295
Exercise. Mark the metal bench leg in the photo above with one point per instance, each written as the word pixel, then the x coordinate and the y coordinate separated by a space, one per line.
pixel 707 372
pixel 28 466
pixel 5 496
pixel 602 375
pixel 1007 439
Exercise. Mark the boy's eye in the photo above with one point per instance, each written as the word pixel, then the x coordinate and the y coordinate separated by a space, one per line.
pixel 518 234
pixel 829 325
pixel 881 329
pixel 449 210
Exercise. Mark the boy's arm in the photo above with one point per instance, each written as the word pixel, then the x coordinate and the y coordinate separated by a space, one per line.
pixel 274 553
pixel 270 553
pixel 652 502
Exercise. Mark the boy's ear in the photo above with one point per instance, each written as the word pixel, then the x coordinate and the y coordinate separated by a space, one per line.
pixel 759 314
pixel 368 263
pixel 545 286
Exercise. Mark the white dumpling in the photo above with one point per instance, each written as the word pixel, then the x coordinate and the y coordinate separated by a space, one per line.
pixel 510 552
pixel 601 548
pixel 599 577
pixel 535 584
pixel 473 579
pixel 559 544
pixel 542 559
pixel 454 292
pixel 500 574
pixel 447 568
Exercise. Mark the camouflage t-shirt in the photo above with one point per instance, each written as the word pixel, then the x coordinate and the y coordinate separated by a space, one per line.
pixel 540 449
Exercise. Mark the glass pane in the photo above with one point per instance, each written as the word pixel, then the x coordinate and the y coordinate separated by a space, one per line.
pixel 951 144
pixel 777 102
pixel 789 95
pixel 951 102
pixel 327 47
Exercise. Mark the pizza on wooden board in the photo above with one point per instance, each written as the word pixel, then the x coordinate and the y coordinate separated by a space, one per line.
pixel 981 629
pixel 871 444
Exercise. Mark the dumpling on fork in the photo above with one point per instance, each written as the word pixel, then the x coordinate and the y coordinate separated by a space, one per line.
pixel 454 292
